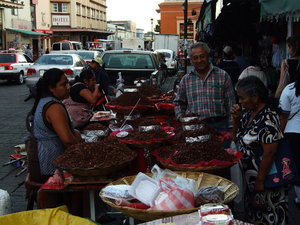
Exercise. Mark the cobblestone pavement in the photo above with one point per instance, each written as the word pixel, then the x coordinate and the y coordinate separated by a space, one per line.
pixel 13 111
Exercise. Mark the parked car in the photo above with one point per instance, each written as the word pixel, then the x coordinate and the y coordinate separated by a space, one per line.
pixel 14 65
pixel 88 55
pixel 72 64
pixel 170 58
pixel 133 64
pixel 66 45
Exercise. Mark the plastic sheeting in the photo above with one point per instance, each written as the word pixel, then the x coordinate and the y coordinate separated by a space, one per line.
pixel 55 216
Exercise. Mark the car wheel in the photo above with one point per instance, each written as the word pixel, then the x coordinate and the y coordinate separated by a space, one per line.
pixel 20 79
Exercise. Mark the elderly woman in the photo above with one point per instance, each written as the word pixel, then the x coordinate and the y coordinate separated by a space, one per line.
pixel 257 131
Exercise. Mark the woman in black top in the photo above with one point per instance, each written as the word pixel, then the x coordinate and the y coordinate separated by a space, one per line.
pixel 289 66
pixel 83 94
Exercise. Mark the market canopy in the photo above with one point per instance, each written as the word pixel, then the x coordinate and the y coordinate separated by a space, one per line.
pixel 279 9
pixel 27 32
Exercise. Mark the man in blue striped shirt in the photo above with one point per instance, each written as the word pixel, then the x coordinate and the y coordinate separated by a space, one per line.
pixel 206 91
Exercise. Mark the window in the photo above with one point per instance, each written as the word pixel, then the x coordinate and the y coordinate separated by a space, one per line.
pixel 78 9
pixel 22 59
pixel 83 11
pixel 60 7
pixel 97 15
pixel 7 58
pixel 93 13
pixel 14 12
pixel 88 12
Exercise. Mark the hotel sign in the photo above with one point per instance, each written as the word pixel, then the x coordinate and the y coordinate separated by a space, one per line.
pixel 60 20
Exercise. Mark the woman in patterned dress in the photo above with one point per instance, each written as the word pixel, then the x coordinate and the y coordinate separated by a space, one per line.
pixel 257 131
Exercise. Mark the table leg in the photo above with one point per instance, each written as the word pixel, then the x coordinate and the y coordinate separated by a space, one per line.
pixel 92 205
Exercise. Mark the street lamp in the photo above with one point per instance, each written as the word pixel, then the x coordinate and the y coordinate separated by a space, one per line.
pixel 151 29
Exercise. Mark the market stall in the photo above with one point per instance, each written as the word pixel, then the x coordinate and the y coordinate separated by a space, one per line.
pixel 138 131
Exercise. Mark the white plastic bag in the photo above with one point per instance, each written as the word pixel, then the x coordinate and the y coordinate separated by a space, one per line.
pixel 117 192
pixel 5 203
pixel 182 182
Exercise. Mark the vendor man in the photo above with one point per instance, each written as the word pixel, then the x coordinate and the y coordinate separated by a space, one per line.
pixel 206 91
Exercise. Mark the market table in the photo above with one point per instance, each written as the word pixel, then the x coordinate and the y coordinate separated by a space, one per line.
pixel 185 219
pixel 90 187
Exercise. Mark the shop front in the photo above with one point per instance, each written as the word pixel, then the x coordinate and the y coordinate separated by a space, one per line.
pixel 19 39
pixel 82 35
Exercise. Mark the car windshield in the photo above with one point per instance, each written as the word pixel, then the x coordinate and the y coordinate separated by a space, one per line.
pixel 55 59
pixel 128 61
pixel 7 58
pixel 86 55
pixel 166 54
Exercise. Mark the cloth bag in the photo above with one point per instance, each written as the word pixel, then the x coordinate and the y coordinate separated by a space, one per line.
pixel 283 170
pixel 175 197
pixel 80 113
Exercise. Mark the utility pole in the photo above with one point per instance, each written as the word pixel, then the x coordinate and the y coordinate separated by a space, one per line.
pixel 185 12
pixel 151 33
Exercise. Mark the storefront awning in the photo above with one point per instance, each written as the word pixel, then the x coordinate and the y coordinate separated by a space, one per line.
pixel 9 4
pixel 81 30
pixel 27 32
pixel 279 9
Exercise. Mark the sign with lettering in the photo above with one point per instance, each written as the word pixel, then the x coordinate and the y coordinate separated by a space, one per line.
pixel 190 31
pixel 60 20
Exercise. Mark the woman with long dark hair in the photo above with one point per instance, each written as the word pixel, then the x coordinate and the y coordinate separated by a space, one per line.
pixel 289 104
pixel 83 94
pixel 288 68
pixel 51 125
pixel 257 131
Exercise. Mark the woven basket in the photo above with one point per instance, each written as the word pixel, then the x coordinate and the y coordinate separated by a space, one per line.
pixel 98 171
pixel 192 169
pixel 202 180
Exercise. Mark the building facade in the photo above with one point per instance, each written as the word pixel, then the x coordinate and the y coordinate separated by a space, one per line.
pixel 79 20
pixel 172 17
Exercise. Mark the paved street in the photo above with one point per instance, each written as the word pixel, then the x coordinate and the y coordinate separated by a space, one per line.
pixel 13 110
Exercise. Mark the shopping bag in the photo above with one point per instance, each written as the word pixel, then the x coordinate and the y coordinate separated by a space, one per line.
pixel 175 197
pixel 283 170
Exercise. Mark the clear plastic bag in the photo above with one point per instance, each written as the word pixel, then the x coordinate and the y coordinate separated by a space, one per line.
pixel 182 182
pixel 117 192
pixel 210 194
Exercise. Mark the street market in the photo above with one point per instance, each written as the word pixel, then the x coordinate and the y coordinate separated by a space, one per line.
pixel 194 122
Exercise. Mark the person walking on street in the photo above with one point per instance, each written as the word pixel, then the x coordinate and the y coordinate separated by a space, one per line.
pixel 42 51
pixel 229 65
pixel 206 91
pixel 28 52
pixel 289 104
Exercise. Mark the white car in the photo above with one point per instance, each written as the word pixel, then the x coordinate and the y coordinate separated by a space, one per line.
pixel 170 57
pixel 13 66
pixel 72 64
pixel 88 55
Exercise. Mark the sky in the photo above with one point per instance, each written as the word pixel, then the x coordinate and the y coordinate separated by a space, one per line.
pixel 138 11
